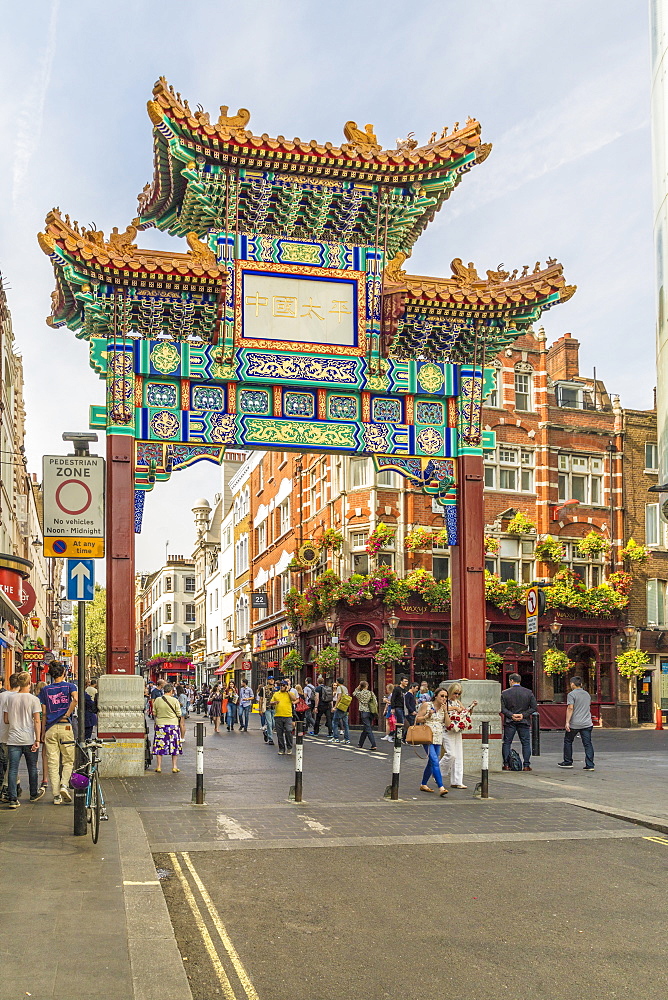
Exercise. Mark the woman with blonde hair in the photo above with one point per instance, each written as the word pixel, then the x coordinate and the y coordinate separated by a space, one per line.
pixel 435 715
pixel 453 739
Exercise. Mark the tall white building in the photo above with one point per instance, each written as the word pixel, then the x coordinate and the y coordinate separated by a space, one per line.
pixel 659 56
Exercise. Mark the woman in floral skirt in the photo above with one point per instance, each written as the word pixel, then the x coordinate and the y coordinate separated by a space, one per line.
pixel 169 728
pixel 216 708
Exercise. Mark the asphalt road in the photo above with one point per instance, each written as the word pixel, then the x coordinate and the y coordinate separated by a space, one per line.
pixel 537 920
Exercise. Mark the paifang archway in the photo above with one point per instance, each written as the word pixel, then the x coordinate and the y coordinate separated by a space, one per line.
pixel 291 323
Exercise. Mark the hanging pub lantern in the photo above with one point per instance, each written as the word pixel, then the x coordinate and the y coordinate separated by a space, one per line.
pixel 35 621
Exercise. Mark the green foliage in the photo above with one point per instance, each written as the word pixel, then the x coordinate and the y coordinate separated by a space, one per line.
pixel 632 662
pixel 96 632
pixel 621 582
pixel 332 539
pixel 390 650
pixel 550 550
pixel 380 538
pixel 593 544
pixel 493 661
pixel 418 538
pixel 634 553
pixel 492 545
pixel 520 524
pixel 555 661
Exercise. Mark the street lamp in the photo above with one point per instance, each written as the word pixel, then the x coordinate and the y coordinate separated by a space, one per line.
pixel 555 629
pixel 393 622
pixel 629 632
pixel 330 622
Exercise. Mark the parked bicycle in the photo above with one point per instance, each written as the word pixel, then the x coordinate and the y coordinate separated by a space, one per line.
pixel 87 777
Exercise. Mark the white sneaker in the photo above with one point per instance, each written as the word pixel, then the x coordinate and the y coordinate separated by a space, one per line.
pixel 66 794
pixel 57 801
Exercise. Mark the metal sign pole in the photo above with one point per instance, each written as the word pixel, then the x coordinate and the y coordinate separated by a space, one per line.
pixel 80 760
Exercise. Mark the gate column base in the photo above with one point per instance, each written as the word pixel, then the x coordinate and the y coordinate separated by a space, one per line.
pixel 488 696
pixel 121 715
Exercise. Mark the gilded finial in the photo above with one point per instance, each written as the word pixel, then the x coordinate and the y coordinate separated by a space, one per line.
pixel 365 141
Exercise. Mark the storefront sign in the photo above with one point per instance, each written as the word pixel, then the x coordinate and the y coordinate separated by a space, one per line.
pixel 34 655
pixel 11 584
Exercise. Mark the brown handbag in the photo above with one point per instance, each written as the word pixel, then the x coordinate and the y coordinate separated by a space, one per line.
pixel 421 734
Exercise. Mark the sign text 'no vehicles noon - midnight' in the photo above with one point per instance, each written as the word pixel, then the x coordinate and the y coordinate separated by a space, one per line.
pixel 73 506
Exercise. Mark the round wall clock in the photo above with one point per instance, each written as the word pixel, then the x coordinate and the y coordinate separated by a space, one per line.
pixel 363 638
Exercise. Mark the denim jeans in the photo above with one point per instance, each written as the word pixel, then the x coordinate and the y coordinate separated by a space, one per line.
pixel 340 717
pixel 284 732
pixel 585 736
pixel 367 731
pixel 244 714
pixel 324 708
pixel 523 730
pixel 231 714
pixel 269 723
pixel 433 768
pixel 31 756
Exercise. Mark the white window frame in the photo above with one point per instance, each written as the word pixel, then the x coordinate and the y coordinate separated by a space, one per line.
pixel 505 459
pixel 653 531
pixel 528 392
pixel 656 602
pixel 515 552
pixel 359 469
pixel 588 468
pixel 651 452
pixel 189 618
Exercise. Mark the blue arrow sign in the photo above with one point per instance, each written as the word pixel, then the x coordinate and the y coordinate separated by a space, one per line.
pixel 80 579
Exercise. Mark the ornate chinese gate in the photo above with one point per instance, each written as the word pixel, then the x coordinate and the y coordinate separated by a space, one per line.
pixel 290 324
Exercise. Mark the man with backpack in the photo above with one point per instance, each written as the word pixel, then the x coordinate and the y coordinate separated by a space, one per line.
pixel 342 702
pixel 309 698
pixel 517 706
pixel 323 705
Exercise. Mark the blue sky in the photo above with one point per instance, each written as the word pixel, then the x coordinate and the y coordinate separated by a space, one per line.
pixel 561 89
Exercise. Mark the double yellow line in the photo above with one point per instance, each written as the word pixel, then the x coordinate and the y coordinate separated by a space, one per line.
pixel 657 840
pixel 225 940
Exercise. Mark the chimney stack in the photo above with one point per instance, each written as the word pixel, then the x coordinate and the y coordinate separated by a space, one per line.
pixel 563 361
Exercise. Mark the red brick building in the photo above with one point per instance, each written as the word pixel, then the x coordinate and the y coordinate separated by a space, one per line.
pixel 558 459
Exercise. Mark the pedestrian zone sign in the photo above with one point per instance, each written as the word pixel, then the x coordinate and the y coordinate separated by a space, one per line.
pixel 80 579
pixel 73 506
pixel 532 611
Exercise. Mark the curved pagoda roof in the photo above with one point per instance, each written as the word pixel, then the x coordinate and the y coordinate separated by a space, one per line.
pixel 464 315
pixel 105 285
pixel 292 187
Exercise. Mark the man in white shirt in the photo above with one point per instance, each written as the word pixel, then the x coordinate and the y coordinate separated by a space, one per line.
pixel 22 715
pixel 4 759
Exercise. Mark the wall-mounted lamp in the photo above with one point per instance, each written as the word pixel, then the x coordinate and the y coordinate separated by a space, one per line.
pixel 629 636
pixel 393 622
pixel 555 629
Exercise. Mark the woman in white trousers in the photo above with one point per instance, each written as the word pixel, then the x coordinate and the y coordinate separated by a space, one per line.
pixel 453 740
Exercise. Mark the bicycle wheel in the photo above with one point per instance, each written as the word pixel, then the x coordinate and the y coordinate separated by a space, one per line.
pixel 95 807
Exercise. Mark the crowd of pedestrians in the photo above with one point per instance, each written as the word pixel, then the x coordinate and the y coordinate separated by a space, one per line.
pixel 38 724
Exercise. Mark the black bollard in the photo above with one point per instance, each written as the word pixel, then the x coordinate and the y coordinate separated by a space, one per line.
pixel 484 774
pixel 198 790
pixel 393 789
pixel 535 734
pixel 299 760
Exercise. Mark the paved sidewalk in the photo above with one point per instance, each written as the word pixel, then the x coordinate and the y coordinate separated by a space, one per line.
pixel 80 919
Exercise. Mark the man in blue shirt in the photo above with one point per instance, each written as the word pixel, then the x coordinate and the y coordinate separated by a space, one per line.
pixel 59 700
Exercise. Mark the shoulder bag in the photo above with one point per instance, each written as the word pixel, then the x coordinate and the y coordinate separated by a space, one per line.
pixel 421 734
pixel 179 718
pixel 343 703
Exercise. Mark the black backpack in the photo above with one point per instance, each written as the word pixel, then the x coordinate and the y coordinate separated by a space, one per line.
pixel 327 693
pixel 514 760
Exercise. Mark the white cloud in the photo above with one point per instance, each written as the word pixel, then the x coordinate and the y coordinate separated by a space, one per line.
pixel 31 115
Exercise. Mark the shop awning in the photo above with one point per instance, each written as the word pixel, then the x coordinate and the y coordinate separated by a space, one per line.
pixel 9 611
pixel 227 665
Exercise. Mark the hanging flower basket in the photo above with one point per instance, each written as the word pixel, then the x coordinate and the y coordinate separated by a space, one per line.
pixel 492 545
pixel 292 662
pixel 593 544
pixel 389 652
pixel 493 662
pixel 327 659
pixel 621 582
pixel 294 565
pixel 632 662
pixel 159 658
pixel 550 550
pixel 418 538
pixel 332 539
pixel 520 524
pixel 634 553
pixel 555 661
pixel 380 538
pixel 441 538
